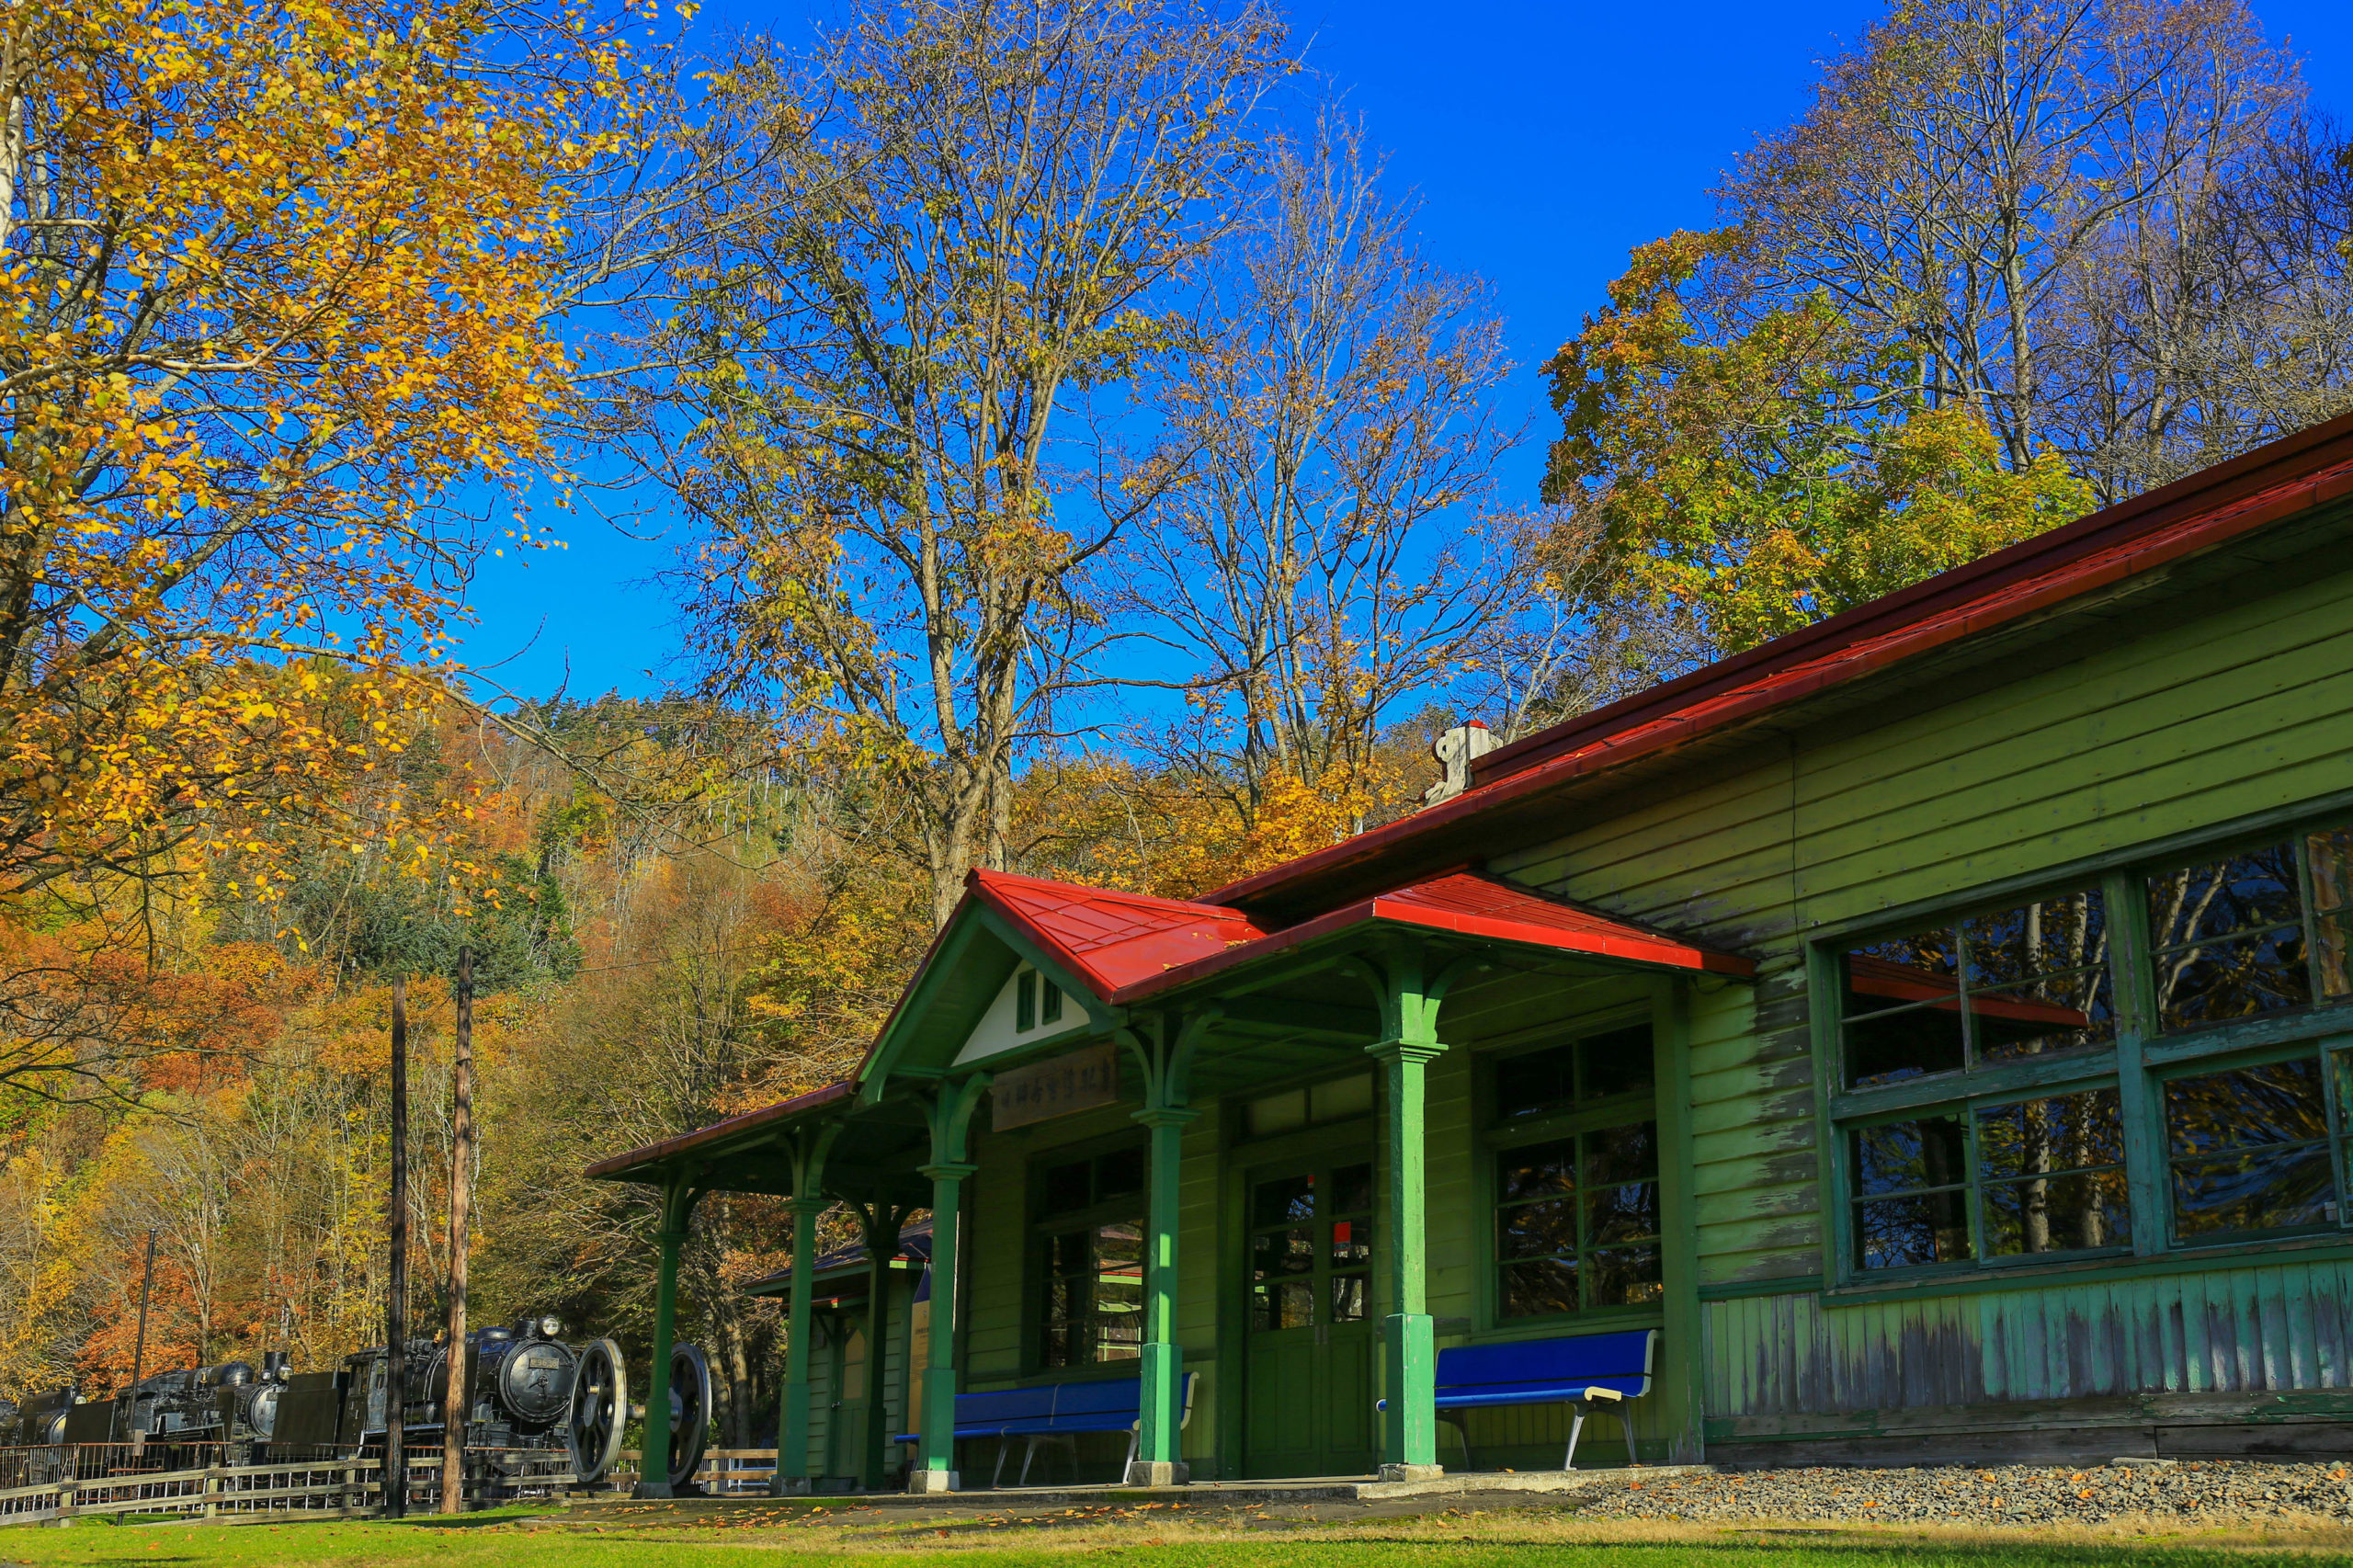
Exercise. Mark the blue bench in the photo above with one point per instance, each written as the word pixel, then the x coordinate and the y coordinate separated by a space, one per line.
pixel 1607 1368
pixel 1057 1410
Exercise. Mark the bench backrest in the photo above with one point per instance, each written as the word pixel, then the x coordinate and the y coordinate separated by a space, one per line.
pixel 1612 1359
pixel 1005 1405
pixel 1093 1399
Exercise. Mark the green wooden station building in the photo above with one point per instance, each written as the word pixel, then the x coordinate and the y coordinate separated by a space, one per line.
pixel 1938 1023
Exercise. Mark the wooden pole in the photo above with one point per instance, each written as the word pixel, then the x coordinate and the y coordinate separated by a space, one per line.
pixel 396 1289
pixel 458 1395
pixel 139 1346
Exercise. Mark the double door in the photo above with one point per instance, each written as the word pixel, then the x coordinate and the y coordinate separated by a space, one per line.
pixel 1311 1340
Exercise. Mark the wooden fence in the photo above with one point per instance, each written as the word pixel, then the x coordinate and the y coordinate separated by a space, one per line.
pixel 93 1480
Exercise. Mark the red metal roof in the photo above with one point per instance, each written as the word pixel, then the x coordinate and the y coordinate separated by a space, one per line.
pixel 1471 905
pixel 2195 515
pixel 1111 940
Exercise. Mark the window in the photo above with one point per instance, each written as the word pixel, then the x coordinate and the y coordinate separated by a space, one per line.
pixel 1980 1117
pixel 1091 1222
pixel 1576 1177
pixel 2248 1148
pixel 1543 1083
pixel 1024 1001
pixel 1295 1108
pixel 2021 981
pixel 1050 1001
pixel 2227 938
pixel 1311 1248
pixel 2005 1180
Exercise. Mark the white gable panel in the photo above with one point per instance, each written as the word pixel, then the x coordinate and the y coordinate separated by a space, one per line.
pixel 994 1034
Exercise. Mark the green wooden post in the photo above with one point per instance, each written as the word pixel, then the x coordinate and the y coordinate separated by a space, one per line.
pixel 792 1435
pixel 653 1458
pixel 1680 1398
pixel 807 1205
pixel 1159 1460
pixel 950 1117
pixel 1409 1347
pixel 880 1221
pixel 936 1459
pixel 1166 1054
pixel 1408 1338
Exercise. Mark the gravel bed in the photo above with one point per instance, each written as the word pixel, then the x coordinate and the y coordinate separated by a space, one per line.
pixel 2213 1491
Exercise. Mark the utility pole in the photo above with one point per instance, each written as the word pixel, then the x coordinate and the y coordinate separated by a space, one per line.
pixel 139 1346
pixel 458 1391
pixel 396 1289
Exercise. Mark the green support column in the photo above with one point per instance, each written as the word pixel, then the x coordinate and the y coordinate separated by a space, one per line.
pixel 807 1205
pixel 1679 1396
pixel 936 1463
pixel 1409 1350
pixel 1163 1050
pixel 1409 997
pixel 793 1436
pixel 653 1460
pixel 1159 1460
pixel 950 1115
pixel 881 1222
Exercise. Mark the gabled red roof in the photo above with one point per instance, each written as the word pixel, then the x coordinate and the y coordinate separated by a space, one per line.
pixel 1111 940
pixel 1471 905
pixel 1128 947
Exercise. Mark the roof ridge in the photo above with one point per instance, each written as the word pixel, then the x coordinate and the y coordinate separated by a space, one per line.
pixel 1093 890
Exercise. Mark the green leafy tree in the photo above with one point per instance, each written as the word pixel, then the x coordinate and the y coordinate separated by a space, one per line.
pixel 1773 474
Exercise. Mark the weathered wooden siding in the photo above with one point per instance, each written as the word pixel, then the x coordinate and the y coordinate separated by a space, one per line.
pixel 2264 1329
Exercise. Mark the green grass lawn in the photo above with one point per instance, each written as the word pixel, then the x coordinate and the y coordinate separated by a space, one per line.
pixel 1517 1539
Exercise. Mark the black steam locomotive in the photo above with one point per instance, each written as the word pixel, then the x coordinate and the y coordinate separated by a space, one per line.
pixel 527 1392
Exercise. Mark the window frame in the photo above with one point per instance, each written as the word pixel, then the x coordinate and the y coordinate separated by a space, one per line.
pixel 1974 1182
pixel 1039 1228
pixel 1495 1137
pixel 2144 1057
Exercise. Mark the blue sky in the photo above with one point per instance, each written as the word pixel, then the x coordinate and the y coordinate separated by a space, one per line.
pixel 1543 140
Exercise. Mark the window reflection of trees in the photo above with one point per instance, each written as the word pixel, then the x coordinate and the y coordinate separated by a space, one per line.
pixel 2227 938
pixel 2026 980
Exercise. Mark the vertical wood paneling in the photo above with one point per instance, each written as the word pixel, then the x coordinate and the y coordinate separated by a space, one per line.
pixel 2269 1328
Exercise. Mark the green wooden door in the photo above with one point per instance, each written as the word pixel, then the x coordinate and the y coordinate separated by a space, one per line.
pixel 1311 1344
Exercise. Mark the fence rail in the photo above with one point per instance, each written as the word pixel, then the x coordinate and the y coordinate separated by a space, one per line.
pixel 96 1480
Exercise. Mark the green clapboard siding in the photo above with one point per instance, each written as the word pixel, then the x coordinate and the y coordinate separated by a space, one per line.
pixel 2246 710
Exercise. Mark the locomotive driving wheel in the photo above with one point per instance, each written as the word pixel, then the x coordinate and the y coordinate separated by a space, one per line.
pixel 690 1412
pixel 600 1401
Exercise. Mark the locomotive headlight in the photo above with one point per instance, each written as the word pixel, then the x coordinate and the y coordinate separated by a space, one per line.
pixel 552 1326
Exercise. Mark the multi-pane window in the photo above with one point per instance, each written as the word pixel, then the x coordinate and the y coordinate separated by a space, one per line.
pixel 1576 1221
pixel 2007 1180
pixel 1311 1248
pixel 2248 1150
pixel 1287 1111
pixel 1955 1152
pixel 2227 938
pixel 2027 981
pixel 1577 1193
pixel 1091 1224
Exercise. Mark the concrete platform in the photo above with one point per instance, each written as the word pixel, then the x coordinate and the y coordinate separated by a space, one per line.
pixel 1201 1494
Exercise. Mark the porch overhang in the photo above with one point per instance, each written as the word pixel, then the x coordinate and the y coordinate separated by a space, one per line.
pixel 874 1154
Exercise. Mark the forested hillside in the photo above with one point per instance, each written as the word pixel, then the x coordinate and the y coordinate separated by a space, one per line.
pixel 1080 468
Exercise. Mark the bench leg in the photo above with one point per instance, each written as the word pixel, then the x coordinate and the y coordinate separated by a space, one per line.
pixel 1577 1425
pixel 1626 1419
pixel 1028 1459
pixel 1462 1430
